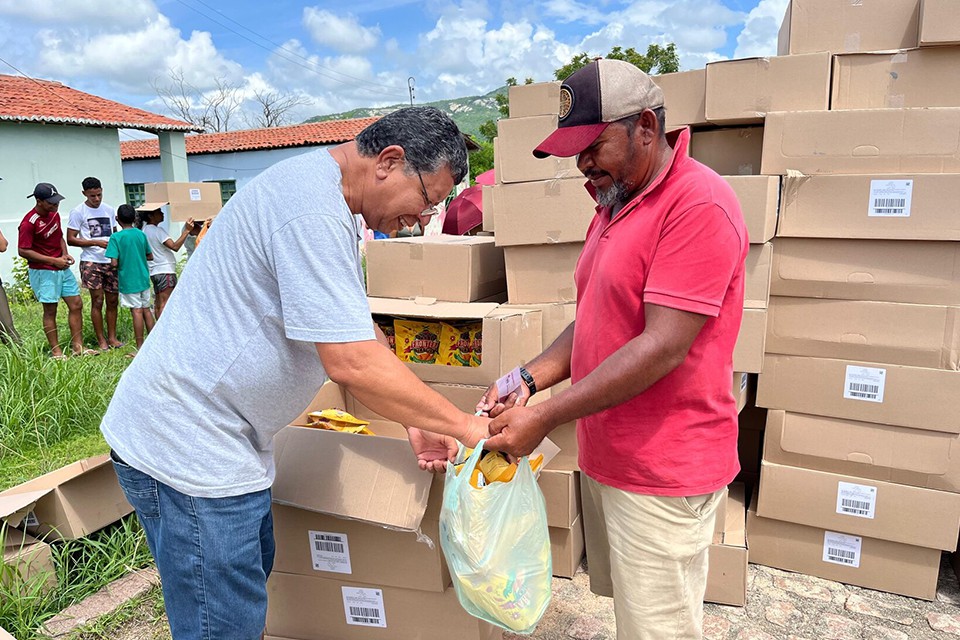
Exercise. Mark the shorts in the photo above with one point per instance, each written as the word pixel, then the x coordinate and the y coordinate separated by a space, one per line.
pixel 141 300
pixel 98 275
pixel 163 281
pixel 51 285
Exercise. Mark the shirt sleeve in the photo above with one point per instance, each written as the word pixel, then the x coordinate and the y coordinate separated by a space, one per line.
pixel 75 220
pixel 696 257
pixel 25 235
pixel 322 297
pixel 112 248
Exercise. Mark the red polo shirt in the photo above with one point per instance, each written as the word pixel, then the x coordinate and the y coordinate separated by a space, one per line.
pixel 43 235
pixel 681 243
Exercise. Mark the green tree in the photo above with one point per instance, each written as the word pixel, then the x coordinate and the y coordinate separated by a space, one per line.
pixel 658 59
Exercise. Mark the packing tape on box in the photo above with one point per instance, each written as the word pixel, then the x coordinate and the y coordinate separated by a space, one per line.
pixel 416 252
pixel 791 184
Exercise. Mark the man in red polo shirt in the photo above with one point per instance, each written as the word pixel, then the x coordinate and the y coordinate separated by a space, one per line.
pixel 42 245
pixel 650 355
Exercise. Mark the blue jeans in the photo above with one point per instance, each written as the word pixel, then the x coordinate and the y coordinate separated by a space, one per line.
pixel 213 554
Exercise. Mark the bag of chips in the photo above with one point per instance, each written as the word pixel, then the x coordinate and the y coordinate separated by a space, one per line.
pixel 456 343
pixel 417 341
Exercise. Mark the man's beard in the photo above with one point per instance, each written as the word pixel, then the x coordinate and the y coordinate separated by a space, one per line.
pixel 616 194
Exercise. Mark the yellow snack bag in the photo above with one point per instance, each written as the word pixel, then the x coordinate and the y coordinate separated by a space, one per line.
pixel 418 341
pixel 476 337
pixel 456 344
pixel 386 325
pixel 336 420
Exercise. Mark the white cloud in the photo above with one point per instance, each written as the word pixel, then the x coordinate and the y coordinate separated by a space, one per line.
pixel 119 13
pixel 566 11
pixel 344 34
pixel 759 34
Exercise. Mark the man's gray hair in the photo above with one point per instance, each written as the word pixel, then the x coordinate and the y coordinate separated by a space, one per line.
pixel 430 140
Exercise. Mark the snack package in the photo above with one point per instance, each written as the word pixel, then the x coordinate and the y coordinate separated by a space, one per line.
pixel 418 341
pixel 336 420
pixel 456 343
pixel 476 357
pixel 386 325
pixel 493 467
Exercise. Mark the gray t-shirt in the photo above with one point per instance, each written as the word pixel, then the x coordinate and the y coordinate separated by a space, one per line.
pixel 233 360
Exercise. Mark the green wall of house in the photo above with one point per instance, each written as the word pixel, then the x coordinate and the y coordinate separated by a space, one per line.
pixel 61 154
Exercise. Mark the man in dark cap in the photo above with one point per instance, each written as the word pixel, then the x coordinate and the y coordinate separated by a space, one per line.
pixel 650 355
pixel 42 245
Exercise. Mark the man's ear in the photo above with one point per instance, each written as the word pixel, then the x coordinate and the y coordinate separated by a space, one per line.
pixel 390 159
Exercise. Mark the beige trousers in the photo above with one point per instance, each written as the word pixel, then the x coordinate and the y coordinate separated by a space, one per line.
pixel 650 554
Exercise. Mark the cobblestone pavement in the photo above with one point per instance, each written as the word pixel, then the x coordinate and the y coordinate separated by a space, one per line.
pixel 779 605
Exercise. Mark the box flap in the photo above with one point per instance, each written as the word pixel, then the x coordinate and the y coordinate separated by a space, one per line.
pixel 367 478
pixel 14 507
pixel 430 308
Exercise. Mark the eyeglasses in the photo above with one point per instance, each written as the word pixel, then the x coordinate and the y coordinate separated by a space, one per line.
pixel 432 209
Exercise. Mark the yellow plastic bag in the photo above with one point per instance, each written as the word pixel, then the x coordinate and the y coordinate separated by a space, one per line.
pixel 497 545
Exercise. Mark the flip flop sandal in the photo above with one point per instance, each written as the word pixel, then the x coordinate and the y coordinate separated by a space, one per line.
pixel 87 352
pixel 62 356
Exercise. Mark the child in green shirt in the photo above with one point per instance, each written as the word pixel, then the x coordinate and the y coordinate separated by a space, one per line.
pixel 129 251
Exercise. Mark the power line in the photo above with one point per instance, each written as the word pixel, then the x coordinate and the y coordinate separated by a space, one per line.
pixel 313 67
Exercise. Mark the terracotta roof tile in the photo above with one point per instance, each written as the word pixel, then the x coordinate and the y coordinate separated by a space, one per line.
pixel 329 132
pixel 29 100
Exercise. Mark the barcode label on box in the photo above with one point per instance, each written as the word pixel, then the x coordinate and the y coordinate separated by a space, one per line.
pixel 743 382
pixel 864 383
pixel 890 198
pixel 859 500
pixel 840 548
pixel 31 520
pixel 364 607
pixel 330 551
pixel 195 195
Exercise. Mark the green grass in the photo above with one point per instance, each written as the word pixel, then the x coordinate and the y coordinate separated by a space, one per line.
pixel 50 414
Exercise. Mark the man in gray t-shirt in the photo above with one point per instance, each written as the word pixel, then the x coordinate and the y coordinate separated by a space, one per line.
pixel 270 305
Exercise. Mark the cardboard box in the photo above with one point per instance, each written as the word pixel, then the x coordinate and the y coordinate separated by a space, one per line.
pixel 565 437
pixel 684 96
pixel 486 193
pixel 555 317
pixel 198 200
pixel 561 492
pixel 544 212
pixel 27 563
pixel 757 268
pixel 741 389
pixel 914 457
pixel 451 268
pixel 748 352
pixel 868 270
pixel 542 273
pixel 867 562
pixel 888 332
pixel 73 501
pixel 566 549
pixel 730 152
pixel 842 25
pixel 538 99
pixel 510 336
pixel 759 198
pixel 403 613
pixel 938 23
pixel 872 508
pixel 884 394
pixel 5 636
pixel 868 141
pixel 901 207
pixel 916 78
pixel 727 558
pixel 743 91
pixel 516 140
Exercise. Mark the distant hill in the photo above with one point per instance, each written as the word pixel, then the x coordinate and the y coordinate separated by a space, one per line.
pixel 469 113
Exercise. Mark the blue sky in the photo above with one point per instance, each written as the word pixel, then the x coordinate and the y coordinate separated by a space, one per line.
pixel 342 55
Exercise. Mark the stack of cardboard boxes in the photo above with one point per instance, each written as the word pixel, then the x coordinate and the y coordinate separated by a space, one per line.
pixel 860 474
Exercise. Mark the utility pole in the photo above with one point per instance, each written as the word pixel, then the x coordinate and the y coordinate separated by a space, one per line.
pixel 410 83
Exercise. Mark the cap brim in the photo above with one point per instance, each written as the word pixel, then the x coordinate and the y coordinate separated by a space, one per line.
pixel 569 141
pixel 54 199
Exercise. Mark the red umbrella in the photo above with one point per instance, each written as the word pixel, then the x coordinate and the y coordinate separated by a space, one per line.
pixel 485 178
pixel 465 212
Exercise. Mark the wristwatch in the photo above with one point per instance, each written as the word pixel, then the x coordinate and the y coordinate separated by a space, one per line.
pixel 528 380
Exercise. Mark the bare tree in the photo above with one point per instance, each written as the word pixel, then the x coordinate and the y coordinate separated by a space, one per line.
pixel 209 110
pixel 274 108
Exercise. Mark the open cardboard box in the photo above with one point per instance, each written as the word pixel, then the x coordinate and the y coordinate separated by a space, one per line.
pixel 511 336
pixel 727 571
pixel 71 502
pixel 30 560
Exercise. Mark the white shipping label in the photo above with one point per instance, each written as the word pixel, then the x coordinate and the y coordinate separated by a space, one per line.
pixel 195 195
pixel 840 548
pixel 330 551
pixel 364 607
pixel 864 383
pixel 890 198
pixel 858 500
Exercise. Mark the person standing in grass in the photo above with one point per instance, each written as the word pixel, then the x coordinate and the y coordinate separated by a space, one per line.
pixel 89 227
pixel 7 332
pixel 163 267
pixel 41 244
pixel 128 252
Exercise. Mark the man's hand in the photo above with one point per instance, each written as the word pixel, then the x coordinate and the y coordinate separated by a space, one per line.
pixel 61 263
pixel 490 404
pixel 477 429
pixel 433 450
pixel 101 243
pixel 517 432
